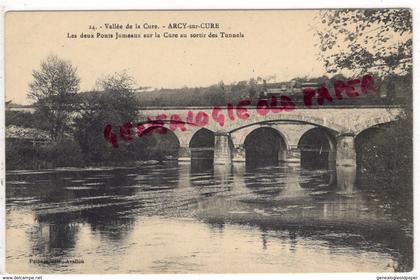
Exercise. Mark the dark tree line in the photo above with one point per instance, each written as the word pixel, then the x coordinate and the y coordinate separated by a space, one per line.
pixel 390 90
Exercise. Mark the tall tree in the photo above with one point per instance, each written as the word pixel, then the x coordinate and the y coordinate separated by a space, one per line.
pixel 54 89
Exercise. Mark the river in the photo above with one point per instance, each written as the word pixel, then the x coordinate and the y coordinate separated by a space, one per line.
pixel 195 218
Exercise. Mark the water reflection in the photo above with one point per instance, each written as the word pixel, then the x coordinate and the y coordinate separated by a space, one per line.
pixel 207 215
pixel 55 236
pixel 322 179
pixel 201 165
pixel 346 178
pixel 265 181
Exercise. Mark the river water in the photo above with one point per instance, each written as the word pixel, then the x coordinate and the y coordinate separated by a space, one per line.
pixel 195 218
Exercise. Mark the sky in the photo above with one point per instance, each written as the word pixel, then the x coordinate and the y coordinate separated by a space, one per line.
pixel 275 43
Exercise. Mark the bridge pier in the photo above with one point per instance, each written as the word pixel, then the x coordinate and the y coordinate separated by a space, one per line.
pixel 282 154
pixel 239 153
pixel 293 155
pixel 346 151
pixel 184 154
pixel 222 148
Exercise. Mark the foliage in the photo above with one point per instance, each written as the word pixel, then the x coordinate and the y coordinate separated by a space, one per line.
pixel 379 42
pixel 19 155
pixel 62 153
pixel 54 89
pixel 114 103
pixel 363 41
pixel 385 156
pixel 214 95
pixel 21 118
pixel 387 149
pixel 23 154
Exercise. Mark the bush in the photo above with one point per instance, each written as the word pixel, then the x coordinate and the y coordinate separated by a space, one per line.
pixel 64 152
pixel 387 152
pixel 20 155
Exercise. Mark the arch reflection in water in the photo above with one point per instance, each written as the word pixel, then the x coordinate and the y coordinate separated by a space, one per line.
pixel 317 148
pixel 264 146
pixel 210 179
pixel 321 179
pixel 160 176
pixel 343 178
pixel 202 158
pixel 265 181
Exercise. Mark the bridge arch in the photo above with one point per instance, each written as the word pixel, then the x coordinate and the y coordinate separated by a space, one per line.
pixel 239 135
pixel 317 148
pixel 289 118
pixel 158 143
pixel 202 144
pixel 265 145
pixel 373 123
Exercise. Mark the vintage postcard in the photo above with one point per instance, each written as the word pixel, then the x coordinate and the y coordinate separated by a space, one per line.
pixel 217 141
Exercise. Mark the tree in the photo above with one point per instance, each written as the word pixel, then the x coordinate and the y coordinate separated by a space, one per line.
pixel 114 103
pixel 370 41
pixel 377 41
pixel 54 89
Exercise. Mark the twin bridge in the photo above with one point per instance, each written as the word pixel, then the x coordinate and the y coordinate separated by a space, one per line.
pixel 321 135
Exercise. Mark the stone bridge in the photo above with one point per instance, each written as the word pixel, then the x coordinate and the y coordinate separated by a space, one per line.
pixel 295 130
